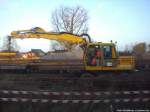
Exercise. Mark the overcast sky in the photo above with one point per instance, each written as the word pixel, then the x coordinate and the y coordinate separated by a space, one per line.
pixel 124 21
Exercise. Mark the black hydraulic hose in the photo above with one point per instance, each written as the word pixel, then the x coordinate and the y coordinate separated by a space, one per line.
pixel 87 35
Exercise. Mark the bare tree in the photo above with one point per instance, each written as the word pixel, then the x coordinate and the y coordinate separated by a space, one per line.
pixel 55 45
pixel 149 48
pixel 70 19
pixel 9 44
pixel 139 49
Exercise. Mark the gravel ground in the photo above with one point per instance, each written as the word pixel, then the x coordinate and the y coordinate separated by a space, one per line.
pixel 7 81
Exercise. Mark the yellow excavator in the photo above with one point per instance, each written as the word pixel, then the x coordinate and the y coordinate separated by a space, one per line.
pixel 97 56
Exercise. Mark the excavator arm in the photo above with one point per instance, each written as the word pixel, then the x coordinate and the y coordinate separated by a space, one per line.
pixel 40 33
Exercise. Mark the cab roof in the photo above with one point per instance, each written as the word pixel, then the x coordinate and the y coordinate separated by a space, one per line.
pixel 101 43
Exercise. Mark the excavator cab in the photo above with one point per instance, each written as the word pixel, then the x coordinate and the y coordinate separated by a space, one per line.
pixel 104 57
pixel 100 54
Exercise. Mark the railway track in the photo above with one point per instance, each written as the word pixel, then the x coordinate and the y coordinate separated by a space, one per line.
pixel 115 93
pixel 112 100
pixel 75 96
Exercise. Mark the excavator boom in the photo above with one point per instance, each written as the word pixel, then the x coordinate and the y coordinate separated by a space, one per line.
pixel 40 33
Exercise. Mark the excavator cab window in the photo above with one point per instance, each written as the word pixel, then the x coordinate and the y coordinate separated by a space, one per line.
pixel 107 51
pixel 94 55
pixel 90 54
pixel 100 54
pixel 109 55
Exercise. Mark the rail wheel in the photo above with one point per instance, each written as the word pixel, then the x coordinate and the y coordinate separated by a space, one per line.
pixel 86 81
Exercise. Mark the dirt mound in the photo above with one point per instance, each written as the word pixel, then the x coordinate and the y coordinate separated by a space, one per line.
pixel 74 54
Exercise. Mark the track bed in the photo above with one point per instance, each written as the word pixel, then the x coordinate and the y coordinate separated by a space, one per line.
pixel 46 81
